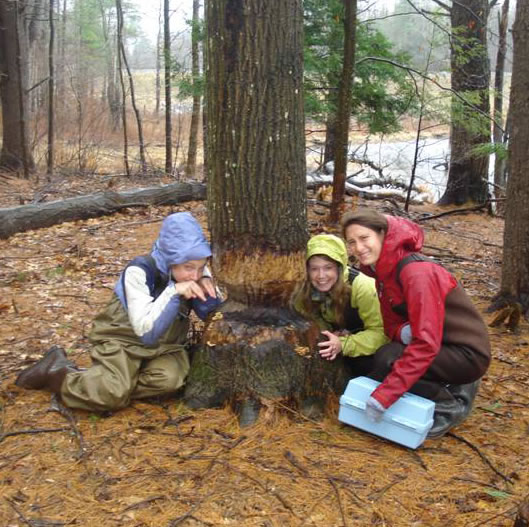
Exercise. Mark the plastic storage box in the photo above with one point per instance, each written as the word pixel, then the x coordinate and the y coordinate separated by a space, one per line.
pixel 406 422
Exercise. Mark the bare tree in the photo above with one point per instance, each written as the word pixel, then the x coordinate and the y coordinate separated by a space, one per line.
pixel 514 290
pixel 51 94
pixel 137 114
pixel 343 112
pixel 499 136
pixel 167 86
pixel 468 172
pixel 123 96
pixel 14 52
pixel 195 113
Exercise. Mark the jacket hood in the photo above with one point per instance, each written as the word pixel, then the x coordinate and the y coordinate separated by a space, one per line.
pixel 330 246
pixel 402 238
pixel 181 239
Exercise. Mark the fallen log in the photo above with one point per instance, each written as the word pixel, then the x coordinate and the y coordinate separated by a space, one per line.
pixel 40 215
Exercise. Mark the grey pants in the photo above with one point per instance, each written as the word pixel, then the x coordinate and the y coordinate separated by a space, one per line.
pixel 115 378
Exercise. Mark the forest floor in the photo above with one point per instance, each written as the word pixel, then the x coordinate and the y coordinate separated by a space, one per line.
pixel 158 463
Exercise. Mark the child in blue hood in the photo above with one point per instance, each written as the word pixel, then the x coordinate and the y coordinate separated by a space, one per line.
pixel 139 340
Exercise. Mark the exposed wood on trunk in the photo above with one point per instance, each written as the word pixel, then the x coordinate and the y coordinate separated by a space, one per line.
pixel 37 216
pixel 275 360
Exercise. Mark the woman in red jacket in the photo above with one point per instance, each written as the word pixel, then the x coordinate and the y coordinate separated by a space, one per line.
pixel 440 346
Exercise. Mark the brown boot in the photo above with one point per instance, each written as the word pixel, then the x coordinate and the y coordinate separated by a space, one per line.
pixel 48 373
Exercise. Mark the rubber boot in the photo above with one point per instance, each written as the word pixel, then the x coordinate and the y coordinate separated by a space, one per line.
pixel 48 373
pixel 453 407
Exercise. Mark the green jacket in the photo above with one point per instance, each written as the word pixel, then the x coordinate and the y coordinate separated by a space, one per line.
pixel 364 302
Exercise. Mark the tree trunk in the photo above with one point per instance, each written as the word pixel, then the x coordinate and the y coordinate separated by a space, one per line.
pixel 515 266
pixel 499 163
pixel 195 114
pixel 40 215
pixel 51 95
pixel 257 214
pixel 158 63
pixel 468 172
pixel 343 113
pixel 141 145
pixel 14 48
pixel 167 86
pixel 123 91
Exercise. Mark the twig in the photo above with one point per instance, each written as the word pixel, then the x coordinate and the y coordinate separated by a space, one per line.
pixel 333 484
pixel 289 456
pixel 453 211
pixel 189 513
pixel 57 406
pixel 33 431
pixel 481 455
pixel 314 505
pixel 481 483
pixel 34 523
pixel 142 503
pixel 377 493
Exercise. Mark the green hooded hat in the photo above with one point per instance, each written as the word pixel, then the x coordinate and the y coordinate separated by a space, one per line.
pixel 331 246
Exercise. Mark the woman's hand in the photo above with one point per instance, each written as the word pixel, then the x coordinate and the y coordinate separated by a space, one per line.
pixel 330 348
pixel 190 290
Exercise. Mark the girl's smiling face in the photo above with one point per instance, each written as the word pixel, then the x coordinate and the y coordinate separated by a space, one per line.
pixel 364 243
pixel 323 273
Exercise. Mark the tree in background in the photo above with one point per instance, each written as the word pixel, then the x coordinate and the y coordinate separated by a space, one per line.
pixel 470 123
pixel 167 88
pixel 195 73
pixel 514 288
pixel 380 94
pixel 16 151
pixel 343 110
pixel 499 134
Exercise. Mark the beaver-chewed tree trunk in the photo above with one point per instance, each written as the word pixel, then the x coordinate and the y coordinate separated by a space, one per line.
pixel 257 211
pixel 262 354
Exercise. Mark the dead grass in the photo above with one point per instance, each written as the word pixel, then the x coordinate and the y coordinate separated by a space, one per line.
pixel 159 464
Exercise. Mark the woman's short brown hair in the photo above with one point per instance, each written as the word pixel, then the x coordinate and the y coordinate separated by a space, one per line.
pixel 368 218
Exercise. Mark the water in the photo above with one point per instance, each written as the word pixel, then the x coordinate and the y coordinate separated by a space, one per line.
pixel 396 160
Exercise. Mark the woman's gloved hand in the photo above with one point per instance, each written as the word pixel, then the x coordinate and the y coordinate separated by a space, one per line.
pixel 405 334
pixel 374 410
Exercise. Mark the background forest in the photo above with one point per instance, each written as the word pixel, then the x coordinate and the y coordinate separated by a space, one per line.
pixel 284 114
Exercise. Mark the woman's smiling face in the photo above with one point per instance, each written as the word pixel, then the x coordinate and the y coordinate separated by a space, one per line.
pixel 364 243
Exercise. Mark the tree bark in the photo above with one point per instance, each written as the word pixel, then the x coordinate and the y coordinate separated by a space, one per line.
pixel 14 52
pixel 343 113
pixel 468 172
pixel 195 113
pixel 141 143
pixel 38 216
pixel 256 350
pixel 256 158
pixel 167 87
pixel 499 135
pixel 515 266
pixel 123 91
pixel 51 96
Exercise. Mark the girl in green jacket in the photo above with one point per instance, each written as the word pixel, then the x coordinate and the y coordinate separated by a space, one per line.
pixel 342 301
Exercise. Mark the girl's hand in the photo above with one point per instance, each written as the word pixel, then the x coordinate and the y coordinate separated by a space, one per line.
pixel 207 285
pixel 190 290
pixel 330 348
